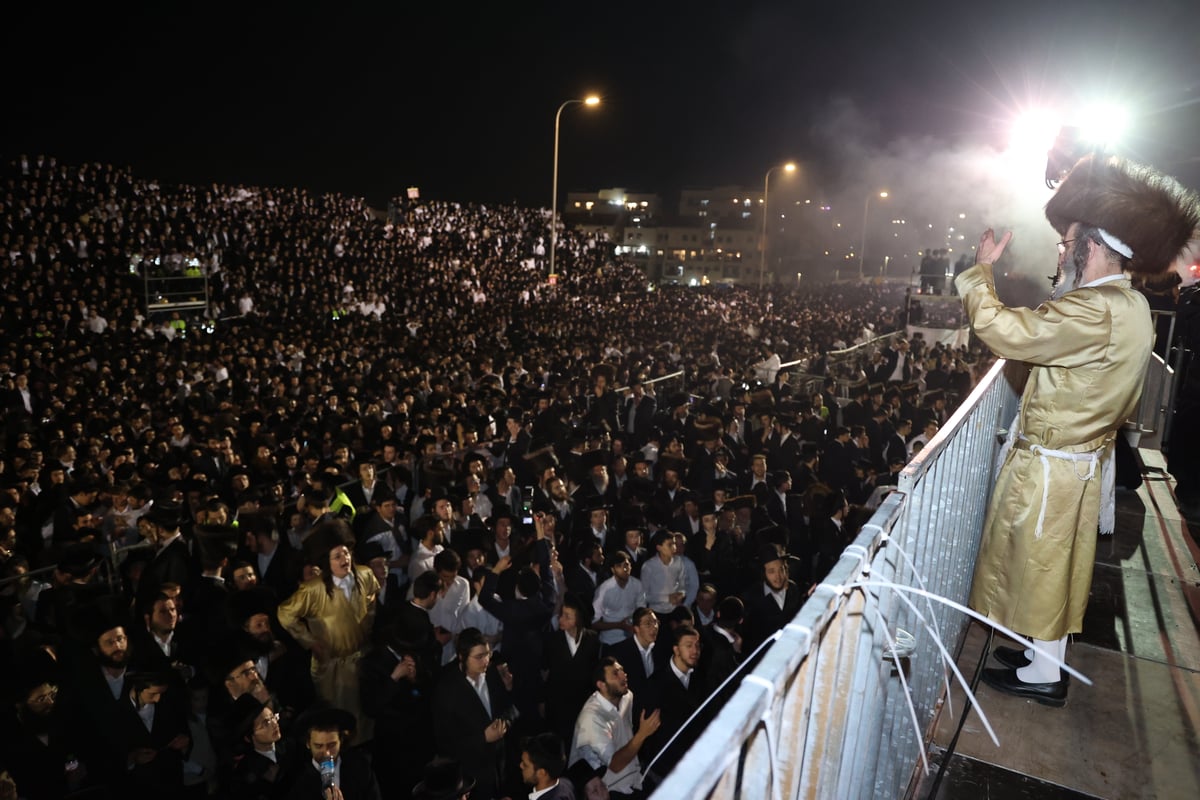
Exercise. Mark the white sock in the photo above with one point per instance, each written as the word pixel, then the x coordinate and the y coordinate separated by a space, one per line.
pixel 1044 669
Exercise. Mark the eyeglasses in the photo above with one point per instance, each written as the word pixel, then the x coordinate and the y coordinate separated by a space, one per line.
pixel 267 721
pixel 1062 246
pixel 47 697
pixel 246 673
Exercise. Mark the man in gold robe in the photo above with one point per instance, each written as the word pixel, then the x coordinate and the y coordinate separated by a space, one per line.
pixel 331 614
pixel 1087 349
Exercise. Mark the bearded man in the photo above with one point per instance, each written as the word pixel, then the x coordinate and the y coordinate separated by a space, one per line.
pixel 38 740
pixel 1087 349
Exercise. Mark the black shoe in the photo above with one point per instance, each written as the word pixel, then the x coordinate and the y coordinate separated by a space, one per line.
pixel 1006 680
pixel 1015 658
pixel 1011 657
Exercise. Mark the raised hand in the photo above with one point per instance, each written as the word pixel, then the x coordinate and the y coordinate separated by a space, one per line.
pixel 990 250
pixel 647 725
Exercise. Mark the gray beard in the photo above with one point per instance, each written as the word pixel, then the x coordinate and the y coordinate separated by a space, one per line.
pixel 1063 284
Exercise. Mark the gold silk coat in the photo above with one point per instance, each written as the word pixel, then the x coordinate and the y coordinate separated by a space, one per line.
pixel 1088 352
pixel 342 627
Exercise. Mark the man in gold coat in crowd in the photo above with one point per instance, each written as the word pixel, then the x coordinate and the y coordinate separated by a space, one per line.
pixel 1087 349
pixel 331 614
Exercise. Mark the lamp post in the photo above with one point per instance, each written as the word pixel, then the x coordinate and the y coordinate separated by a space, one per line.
pixel 863 244
pixel 590 100
pixel 762 256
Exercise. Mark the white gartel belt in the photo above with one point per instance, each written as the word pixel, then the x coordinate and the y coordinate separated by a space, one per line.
pixel 1090 454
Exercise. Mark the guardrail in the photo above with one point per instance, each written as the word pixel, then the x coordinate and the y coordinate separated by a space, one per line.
pixel 175 292
pixel 113 555
pixel 677 375
pixel 843 365
pixel 1151 422
pixel 823 715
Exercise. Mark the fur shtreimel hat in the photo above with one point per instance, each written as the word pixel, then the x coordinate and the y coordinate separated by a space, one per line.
pixel 1146 216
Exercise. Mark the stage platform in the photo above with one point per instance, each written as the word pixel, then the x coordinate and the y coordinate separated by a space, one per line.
pixel 1134 733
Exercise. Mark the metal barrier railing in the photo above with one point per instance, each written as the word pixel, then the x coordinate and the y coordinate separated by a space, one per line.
pixel 175 292
pixel 842 365
pixel 822 715
pixel 663 379
pixel 113 556
pixel 1152 418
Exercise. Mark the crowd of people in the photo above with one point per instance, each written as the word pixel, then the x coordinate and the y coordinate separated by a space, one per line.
pixel 395 515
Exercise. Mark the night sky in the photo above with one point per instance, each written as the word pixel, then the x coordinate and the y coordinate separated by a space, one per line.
pixel 459 98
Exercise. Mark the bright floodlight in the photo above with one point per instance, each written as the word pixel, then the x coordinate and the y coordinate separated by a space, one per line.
pixel 1103 124
pixel 1033 133
pixel 883 195
pixel 592 100
pixel 789 167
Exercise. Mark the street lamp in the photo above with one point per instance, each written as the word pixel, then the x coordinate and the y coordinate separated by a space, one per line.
pixel 590 100
pixel 762 257
pixel 863 244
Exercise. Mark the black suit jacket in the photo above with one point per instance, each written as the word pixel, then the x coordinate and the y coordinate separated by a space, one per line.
pixel 836 469
pixel 208 464
pixel 569 678
pixel 170 565
pixel 401 709
pixel 563 791
pixel 525 622
pixel 763 615
pixel 718 658
pixel 283 574
pixel 784 453
pixel 891 357
pixel 414 633
pixel 675 704
pixel 701 475
pixel 854 413
pixel 896 448
pixel 164 774
pixel 256 777
pixel 37 766
pixel 643 418
pixel 828 541
pixel 357 779
pixel 459 720
pixel 580 582
pixel 626 652
pixel 207 618
pixel 513 455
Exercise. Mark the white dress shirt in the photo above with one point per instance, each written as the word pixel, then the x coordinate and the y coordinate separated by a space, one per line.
pixel 660 582
pixel 601 729
pixel 613 603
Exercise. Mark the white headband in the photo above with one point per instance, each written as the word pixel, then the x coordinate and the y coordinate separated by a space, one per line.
pixel 1115 243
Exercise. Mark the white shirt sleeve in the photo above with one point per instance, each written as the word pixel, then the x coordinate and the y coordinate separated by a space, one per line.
pixel 593 740
pixel 657 585
pixel 598 607
pixel 448 611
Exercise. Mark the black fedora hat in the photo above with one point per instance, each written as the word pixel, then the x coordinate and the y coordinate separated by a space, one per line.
pixel 443 780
